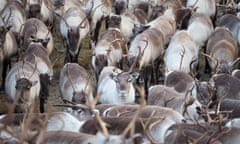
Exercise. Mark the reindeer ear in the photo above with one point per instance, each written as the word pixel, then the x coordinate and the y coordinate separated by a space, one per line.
pixel 134 75
pixel 113 76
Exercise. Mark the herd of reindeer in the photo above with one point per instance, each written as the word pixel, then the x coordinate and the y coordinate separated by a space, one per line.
pixel 162 71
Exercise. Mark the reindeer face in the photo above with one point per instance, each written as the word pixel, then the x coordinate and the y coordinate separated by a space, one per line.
pixel 79 97
pixel 34 10
pixel 73 37
pixel 123 82
pixel 23 87
pixel 114 21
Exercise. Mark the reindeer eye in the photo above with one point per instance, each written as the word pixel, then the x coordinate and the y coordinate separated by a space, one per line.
pixel 79 111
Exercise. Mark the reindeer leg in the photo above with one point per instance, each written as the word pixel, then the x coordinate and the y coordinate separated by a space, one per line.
pixel 75 57
pixel 106 22
pixel 97 30
pixel 6 64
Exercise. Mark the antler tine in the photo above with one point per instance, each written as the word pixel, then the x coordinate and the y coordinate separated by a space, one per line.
pixel 3 18
pixel 85 89
pixel 182 56
pixel 70 79
pixel 234 62
pixel 131 125
pixel 140 54
pixel 194 59
pixel 9 15
pixel 70 105
pixel 97 117
pixel 212 59
pixel 88 15
pixel 92 105
pixel 68 101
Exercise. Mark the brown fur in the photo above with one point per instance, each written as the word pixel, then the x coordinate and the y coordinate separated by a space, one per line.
pixel 226 86
pixel 31 29
pixel 180 81
pixel 222 47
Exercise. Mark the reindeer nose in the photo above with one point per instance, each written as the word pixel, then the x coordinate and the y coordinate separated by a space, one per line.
pixel 123 93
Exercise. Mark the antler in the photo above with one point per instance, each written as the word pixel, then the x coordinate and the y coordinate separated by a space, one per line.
pixel 131 125
pixel 140 54
pixel 35 66
pixel 182 56
pixel 70 79
pixel 212 59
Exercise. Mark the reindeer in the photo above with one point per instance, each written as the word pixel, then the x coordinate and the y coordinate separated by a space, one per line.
pixel 223 51
pixel 74 27
pixel 225 86
pixel 45 128
pixel 206 7
pixel 97 10
pixel 116 86
pixel 50 8
pixel 145 53
pixel 203 133
pixel 75 84
pixel 128 110
pixel 15 14
pixel 110 48
pixel 151 129
pixel 8 49
pixel 232 23
pixel 180 81
pixel 35 30
pixel 185 104
pixel 38 55
pixel 120 6
pixel 74 138
pixel 181 53
pixel 193 133
pixel 22 86
pixel 32 125
pixel 131 18
pixel 200 27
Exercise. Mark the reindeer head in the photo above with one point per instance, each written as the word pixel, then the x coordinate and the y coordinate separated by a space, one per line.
pixel 79 97
pixel 34 10
pixel 120 6
pixel 23 88
pixel 114 21
pixel 123 82
pixel 73 36
pixel 42 41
